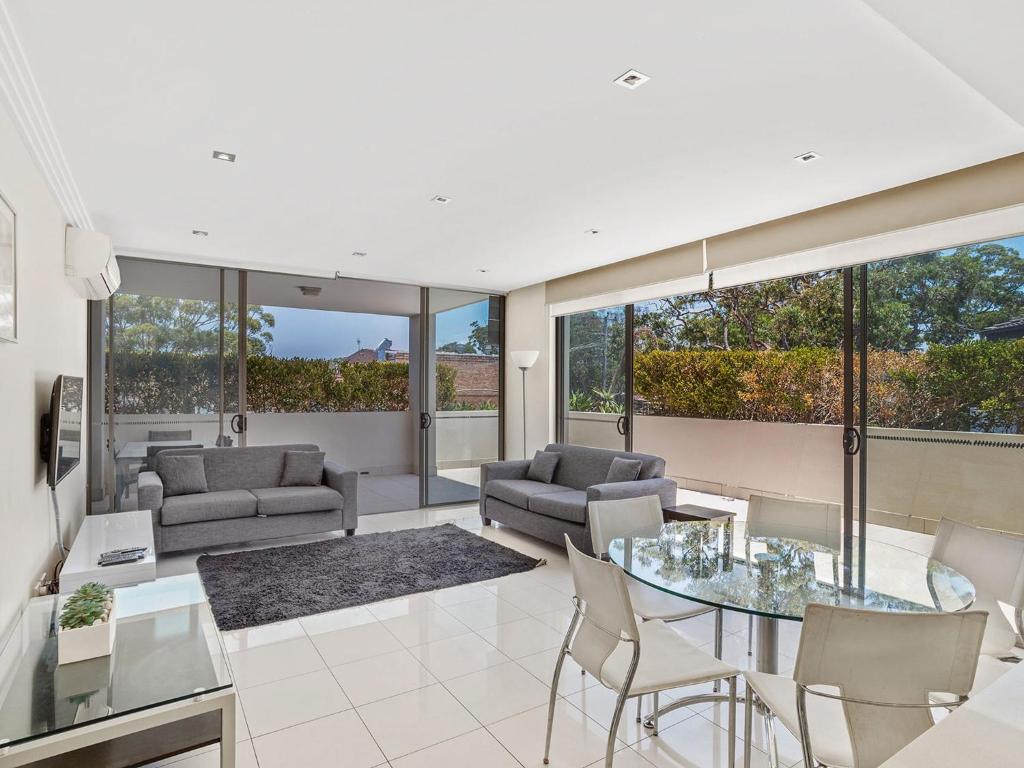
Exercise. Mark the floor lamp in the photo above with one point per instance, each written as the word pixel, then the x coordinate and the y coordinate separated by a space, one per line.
pixel 524 360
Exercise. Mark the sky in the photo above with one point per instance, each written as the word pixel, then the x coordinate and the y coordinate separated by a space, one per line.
pixel 316 333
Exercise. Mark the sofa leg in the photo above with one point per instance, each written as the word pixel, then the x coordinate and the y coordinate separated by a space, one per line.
pixel 350 531
pixel 486 520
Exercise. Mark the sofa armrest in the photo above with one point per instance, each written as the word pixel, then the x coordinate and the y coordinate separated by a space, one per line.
pixel 151 491
pixel 662 487
pixel 500 470
pixel 504 470
pixel 345 482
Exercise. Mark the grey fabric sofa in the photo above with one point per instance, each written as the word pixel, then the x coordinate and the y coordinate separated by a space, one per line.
pixel 549 510
pixel 246 502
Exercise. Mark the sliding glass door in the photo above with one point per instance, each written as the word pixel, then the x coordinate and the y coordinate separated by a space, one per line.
pixel 159 366
pixel 945 387
pixel 594 377
pixel 460 372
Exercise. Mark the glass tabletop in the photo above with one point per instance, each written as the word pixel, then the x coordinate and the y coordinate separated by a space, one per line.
pixel 718 563
pixel 166 649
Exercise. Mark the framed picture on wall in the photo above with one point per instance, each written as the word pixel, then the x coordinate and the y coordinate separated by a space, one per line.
pixel 8 272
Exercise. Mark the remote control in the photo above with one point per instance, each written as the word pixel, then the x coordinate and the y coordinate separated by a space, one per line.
pixel 118 559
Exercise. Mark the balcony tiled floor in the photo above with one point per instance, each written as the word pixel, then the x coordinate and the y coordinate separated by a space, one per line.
pixel 460 677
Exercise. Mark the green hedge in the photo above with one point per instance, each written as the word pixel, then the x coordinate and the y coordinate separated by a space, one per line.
pixel 183 383
pixel 974 386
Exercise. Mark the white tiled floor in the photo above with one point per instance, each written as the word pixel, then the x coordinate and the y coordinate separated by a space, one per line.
pixel 456 678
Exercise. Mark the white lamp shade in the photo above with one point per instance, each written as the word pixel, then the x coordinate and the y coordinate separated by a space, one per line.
pixel 524 358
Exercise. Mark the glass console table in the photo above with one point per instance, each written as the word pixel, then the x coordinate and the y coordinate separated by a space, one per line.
pixel 165 689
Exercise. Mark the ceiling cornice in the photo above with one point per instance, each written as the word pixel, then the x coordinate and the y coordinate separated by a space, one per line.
pixel 21 96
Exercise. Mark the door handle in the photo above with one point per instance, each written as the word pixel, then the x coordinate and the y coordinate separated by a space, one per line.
pixel 426 420
pixel 851 441
pixel 238 424
pixel 622 425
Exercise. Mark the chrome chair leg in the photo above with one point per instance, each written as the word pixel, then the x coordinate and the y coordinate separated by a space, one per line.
pixel 770 745
pixel 655 731
pixel 718 644
pixel 732 720
pixel 551 703
pixel 639 709
pixel 748 725
pixel 609 752
pixel 750 635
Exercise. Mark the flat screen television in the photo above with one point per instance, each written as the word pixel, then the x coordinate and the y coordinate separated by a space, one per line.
pixel 61 444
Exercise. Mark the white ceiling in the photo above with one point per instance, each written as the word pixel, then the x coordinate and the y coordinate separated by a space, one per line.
pixel 347 117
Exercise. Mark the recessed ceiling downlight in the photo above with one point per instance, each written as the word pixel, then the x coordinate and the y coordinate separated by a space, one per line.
pixel 227 157
pixel 310 290
pixel 441 199
pixel 631 79
pixel 591 231
pixel 807 157
pixel 200 233
pixel 360 254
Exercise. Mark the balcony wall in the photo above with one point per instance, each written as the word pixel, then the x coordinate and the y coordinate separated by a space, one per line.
pixel 915 477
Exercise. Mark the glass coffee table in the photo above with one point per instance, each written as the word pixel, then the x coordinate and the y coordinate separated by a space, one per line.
pixel 165 689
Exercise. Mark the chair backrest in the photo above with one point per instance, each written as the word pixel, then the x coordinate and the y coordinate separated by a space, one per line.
pixel 608 617
pixel 813 521
pixel 157 435
pixel 895 658
pixel 994 562
pixel 619 518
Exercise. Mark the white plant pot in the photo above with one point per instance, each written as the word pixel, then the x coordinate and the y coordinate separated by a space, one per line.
pixel 87 642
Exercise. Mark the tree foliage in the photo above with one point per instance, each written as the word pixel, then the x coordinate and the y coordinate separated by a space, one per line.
pixel 187 326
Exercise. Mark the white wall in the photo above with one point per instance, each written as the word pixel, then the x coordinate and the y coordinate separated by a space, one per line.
pixel 52 340
pixel 527 326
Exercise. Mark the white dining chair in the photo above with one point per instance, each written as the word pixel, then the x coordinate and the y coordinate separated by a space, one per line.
pixel 860 689
pixel 630 659
pixel 818 522
pixel 620 518
pixel 994 564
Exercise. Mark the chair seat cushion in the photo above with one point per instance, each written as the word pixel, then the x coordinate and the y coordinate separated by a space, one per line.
pixel 570 506
pixel 203 507
pixel 518 492
pixel 830 740
pixel 297 499
pixel 666 661
pixel 650 603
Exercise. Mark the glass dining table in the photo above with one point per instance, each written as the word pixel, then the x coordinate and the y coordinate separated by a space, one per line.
pixel 774 577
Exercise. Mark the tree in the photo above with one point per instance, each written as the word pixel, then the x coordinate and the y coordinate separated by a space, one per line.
pixel 942 297
pixel 187 326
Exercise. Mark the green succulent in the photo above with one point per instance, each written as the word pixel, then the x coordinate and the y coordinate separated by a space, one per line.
pixel 86 606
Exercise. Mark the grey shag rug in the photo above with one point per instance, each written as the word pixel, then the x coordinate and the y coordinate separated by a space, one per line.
pixel 261 586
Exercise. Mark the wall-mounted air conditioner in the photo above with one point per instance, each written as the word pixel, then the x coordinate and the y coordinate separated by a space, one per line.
pixel 90 264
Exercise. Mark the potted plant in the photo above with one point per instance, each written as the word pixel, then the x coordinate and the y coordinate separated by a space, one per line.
pixel 86 624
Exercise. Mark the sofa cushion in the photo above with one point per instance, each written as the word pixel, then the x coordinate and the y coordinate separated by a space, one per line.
pixel 203 507
pixel 297 499
pixel 581 467
pixel 623 470
pixel 303 468
pixel 518 492
pixel 182 475
pixel 570 506
pixel 542 468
